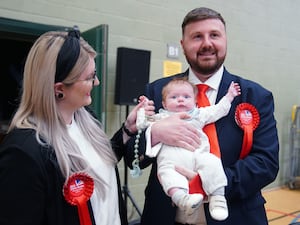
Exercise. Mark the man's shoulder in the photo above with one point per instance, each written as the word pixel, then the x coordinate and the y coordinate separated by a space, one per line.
pixel 245 83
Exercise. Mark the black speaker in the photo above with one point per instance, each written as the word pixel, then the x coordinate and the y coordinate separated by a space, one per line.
pixel 132 74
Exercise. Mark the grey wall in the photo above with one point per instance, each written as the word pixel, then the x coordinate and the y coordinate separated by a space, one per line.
pixel 263 45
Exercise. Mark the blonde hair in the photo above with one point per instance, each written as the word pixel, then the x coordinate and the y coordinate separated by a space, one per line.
pixel 38 108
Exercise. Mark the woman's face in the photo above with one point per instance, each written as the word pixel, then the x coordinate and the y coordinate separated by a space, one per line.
pixel 79 93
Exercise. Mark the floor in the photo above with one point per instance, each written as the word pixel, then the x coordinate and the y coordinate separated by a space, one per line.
pixel 283 206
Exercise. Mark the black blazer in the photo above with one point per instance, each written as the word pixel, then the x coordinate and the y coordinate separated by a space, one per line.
pixel 31 158
pixel 245 177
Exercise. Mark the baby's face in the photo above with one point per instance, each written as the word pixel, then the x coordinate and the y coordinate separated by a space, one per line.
pixel 180 98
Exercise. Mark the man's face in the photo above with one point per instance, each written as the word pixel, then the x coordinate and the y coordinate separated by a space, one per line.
pixel 204 44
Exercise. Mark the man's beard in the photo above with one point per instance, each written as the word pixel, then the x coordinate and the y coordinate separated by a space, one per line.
pixel 206 68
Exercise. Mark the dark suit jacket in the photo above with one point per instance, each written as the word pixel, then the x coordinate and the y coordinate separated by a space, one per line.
pixel 245 177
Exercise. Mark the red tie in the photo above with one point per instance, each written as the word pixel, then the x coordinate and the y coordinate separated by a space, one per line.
pixel 209 129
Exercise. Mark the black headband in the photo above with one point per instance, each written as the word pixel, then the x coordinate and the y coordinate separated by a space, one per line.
pixel 68 54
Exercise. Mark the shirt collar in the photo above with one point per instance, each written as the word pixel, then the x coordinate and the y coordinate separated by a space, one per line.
pixel 213 82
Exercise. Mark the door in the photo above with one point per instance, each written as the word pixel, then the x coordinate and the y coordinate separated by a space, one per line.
pixel 18 36
pixel 98 38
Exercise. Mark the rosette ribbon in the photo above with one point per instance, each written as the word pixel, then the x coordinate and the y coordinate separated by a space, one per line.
pixel 247 117
pixel 77 191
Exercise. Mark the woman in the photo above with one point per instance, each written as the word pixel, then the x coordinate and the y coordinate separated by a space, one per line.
pixel 53 138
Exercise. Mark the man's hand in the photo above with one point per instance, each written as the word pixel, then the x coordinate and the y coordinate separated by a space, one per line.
pixel 175 131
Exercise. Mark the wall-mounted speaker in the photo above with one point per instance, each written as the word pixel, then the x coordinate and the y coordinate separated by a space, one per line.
pixel 132 74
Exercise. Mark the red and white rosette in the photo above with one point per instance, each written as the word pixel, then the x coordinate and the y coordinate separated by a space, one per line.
pixel 77 191
pixel 247 117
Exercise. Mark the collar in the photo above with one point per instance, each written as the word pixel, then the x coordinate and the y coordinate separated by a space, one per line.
pixel 213 82
pixel 194 112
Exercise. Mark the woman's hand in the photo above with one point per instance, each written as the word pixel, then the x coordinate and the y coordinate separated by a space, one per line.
pixel 149 108
pixel 175 131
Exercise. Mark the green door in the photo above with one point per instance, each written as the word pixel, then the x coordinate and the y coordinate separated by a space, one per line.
pixel 19 36
pixel 98 38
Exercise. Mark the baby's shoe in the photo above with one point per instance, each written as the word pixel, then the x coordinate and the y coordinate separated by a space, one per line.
pixel 190 203
pixel 218 207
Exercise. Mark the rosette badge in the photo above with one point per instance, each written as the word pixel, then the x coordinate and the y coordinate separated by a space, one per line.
pixel 77 191
pixel 247 118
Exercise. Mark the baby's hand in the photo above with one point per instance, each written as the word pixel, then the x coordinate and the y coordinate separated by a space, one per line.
pixel 234 89
pixel 148 105
pixel 143 98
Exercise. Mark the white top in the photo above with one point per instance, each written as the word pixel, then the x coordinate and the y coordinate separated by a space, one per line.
pixel 100 206
pixel 199 118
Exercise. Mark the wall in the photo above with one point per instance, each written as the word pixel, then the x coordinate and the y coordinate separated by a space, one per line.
pixel 263 45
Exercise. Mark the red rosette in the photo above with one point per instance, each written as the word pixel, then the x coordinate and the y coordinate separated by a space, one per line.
pixel 77 191
pixel 247 117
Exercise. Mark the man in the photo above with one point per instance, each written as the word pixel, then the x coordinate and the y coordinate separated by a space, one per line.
pixel 247 136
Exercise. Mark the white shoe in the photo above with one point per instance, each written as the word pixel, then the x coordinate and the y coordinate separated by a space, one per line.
pixel 218 207
pixel 190 203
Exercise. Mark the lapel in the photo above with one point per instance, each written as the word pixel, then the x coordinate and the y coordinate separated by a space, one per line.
pixel 224 85
pixel 225 82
